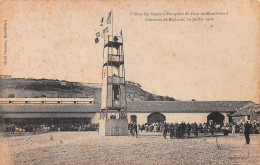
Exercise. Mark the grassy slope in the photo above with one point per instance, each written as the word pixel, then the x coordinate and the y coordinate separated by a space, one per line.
pixel 55 88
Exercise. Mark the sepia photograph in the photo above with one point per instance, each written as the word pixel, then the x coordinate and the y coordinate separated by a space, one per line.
pixel 129 82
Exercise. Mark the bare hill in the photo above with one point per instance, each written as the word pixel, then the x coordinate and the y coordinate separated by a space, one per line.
pixel 20 87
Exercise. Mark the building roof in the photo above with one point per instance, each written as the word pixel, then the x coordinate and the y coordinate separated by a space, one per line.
pixel 257 110
pixel 134 106
pixel 185 106
pixel 246 110
pixel 49 108
pixel 46 99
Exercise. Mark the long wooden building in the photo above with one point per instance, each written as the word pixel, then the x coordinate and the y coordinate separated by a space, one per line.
pixel 43 110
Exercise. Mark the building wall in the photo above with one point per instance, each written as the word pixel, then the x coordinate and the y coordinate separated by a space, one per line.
pixel 254 116
pixel 239 119
pixel 170 117
pixel 141 117
pixel 95 119
pixel 226 119
pixel 186 117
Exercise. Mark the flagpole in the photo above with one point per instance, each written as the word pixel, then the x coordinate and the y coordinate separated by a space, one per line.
pixel 112 21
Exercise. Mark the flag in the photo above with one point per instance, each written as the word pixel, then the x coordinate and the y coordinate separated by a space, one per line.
pixel 97 34
pixel 102 20
pixel 105 30
pixel 121 33
pixel 102 35
pixel 109 17
pixel 96 40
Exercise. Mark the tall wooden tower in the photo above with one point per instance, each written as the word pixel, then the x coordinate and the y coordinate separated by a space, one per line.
pixel 113 113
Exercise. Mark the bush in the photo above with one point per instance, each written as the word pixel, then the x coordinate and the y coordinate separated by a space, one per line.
pixel 11 96
pixel 148 97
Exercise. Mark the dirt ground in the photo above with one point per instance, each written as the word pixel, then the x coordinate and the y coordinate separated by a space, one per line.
pixel 148 148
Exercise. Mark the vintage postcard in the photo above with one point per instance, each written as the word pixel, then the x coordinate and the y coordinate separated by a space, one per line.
pixel 129 82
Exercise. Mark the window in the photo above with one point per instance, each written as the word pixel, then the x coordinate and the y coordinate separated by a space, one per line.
pixel 116 92
pixel 90 102
pixel 10 101
pixel 42 102
pixel 134 118
pixel 59 102
pixel 75 102
pixel 113 117
pixel 26 102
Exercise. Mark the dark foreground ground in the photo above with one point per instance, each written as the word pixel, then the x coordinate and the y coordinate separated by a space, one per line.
pixel 148 148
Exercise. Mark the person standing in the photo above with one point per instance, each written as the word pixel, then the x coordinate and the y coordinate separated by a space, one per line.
pixel 131 128
pixel 212 127
pixel 188 129
pixel 161 127
pixel 175 128
pixel 195 127
pixel 165 130
pixel 13 128
pixel 181 129
pixel 247 127
pixel 171 130
pixel 135 130
pixel 155 127
pixel 233 128
pixel 184 129
pixel 205 129
pixel 178 134
pixel 146 127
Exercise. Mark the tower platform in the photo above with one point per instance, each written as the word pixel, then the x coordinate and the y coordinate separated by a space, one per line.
pixel 113 127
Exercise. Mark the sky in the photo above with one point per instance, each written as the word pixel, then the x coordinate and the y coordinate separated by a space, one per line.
pixel 201 60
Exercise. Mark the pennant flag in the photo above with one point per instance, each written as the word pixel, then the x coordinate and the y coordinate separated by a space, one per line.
pixel 97 34
pixel 102 20
pixel 96 40
pixel 121 33
pixel 102 35
pixel 109 17
pixel 105 30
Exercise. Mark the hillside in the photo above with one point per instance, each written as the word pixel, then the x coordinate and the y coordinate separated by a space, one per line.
pixel 20 87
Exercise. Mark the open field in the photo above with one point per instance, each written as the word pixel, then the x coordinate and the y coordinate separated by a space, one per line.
pixel 148 148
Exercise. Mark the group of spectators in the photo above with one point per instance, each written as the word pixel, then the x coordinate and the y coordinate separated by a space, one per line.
pixel 181 130
pixel 50 127
pixel 175 130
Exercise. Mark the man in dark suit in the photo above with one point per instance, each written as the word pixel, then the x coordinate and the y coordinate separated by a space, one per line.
pixel 135 129
pixel 247 132
pixel 188 129
pixel 165 130
pixel 195 129
pixel 171 129
pixel 131 127
pixel 13 128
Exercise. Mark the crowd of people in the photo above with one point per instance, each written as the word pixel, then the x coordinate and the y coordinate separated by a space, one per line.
pixel 175 130
pixel 182 130
pixel 50 127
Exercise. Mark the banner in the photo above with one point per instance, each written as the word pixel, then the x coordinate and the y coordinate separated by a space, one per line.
pixel 109 17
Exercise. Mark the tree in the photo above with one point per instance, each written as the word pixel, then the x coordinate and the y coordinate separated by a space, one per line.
pixel 160 98
pixel 148 97
pixel 11 96
pixel 167 98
